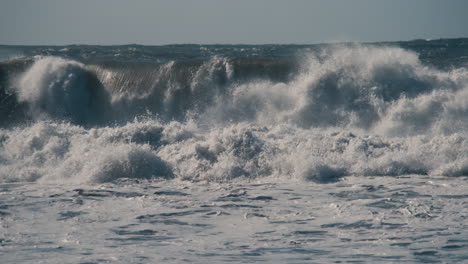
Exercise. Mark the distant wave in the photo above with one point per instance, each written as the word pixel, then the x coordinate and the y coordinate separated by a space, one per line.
pixel 337 111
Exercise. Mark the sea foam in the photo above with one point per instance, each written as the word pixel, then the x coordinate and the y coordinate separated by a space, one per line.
pixel 355 110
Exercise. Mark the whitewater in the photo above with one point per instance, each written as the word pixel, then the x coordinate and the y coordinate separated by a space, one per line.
pixel 330 153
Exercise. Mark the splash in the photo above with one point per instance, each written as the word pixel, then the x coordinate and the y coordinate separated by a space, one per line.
pixel 62 89
pixel 359 110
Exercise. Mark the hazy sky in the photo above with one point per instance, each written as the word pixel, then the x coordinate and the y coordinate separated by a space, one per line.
pixel 228 21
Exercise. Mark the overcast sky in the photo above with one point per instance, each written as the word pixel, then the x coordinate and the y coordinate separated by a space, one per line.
pixel 155 22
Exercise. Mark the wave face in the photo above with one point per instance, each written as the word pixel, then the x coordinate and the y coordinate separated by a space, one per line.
pixel 97 114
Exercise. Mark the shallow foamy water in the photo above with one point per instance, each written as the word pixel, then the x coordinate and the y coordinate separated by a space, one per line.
pixel 415 219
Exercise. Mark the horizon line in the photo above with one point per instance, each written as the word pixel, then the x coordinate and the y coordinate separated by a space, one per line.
pixel 238 44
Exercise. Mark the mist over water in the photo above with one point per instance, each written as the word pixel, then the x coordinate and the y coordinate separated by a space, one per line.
pixel 315 113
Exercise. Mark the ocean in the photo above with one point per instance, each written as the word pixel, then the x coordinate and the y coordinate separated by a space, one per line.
pixel 326 153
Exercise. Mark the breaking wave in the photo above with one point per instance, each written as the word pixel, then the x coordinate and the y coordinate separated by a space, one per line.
pixel 359 110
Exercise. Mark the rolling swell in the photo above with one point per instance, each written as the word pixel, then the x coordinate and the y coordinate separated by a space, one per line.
pixel 347 110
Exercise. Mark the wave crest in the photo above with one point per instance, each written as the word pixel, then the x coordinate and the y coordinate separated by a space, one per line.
pixel 360 110
pixel 63 89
